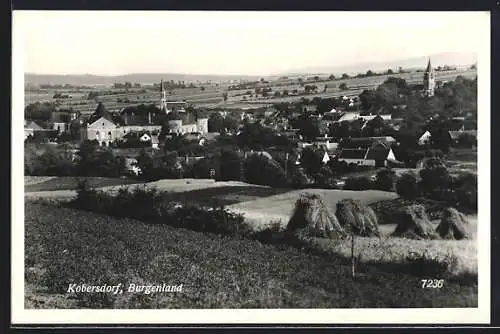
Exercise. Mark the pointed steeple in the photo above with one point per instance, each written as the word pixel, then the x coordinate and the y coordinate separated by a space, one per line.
pixel 161 85
pixel 429 67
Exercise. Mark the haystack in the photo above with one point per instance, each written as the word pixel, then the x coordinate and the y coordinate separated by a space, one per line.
pixel 311 218
pixel 356 218
pixel 414 223
pixel 453 225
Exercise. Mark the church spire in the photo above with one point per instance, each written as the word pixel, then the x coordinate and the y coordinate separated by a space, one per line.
pixel 429 80
pixel 429 67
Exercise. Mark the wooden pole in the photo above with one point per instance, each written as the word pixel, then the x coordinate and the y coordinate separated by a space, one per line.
pixel 352 256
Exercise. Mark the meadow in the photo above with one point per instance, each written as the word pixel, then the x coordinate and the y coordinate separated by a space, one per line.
pixel 66 246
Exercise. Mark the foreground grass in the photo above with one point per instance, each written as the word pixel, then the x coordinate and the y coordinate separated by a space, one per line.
pixel 66 246
pixel 71 183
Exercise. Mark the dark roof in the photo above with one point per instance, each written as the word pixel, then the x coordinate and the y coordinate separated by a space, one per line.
pixel 365 142
pixel 101 111
pixel 377 154
pixel 352 154
pixel 185 117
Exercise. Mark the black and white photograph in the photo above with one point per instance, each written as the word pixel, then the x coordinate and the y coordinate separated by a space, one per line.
pixel 250 167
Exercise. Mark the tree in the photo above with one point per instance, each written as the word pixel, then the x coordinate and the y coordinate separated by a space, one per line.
pixel 385 180
pixel 434 175
pixel 343 86
pixel 316 78
pixel 224 96
pixel 264 171
pixel 307 127
pixel 202 88
pixel 407 186
pixel 345 76
pixel 369 73
pixel 331 77
pixel 311 160
pixel 390 71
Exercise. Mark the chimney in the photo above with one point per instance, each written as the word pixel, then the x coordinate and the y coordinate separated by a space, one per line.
pixel 149 117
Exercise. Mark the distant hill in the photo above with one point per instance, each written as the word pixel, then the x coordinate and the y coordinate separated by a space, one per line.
pixel 450 58
pixel 458 59
pixel 143 78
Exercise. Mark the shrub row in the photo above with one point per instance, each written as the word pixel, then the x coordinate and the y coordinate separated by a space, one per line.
pixel 148 205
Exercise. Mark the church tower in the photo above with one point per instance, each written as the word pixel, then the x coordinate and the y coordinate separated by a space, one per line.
pixel 429 80
pixel 163 101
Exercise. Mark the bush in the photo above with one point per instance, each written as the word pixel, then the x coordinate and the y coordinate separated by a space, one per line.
pixel 148 205
pixel 407 186
pixel 358 183
pixel 264 171
pixel 385 180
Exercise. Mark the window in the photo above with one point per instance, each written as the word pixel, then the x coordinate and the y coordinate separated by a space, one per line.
pixel 109 135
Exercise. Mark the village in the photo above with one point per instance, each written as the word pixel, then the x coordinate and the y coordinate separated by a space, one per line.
pixel 347 134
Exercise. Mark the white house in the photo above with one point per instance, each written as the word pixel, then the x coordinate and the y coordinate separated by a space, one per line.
pixel 424 138
pixel 145 137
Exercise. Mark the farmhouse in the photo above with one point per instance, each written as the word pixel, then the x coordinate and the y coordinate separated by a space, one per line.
pixel 376 156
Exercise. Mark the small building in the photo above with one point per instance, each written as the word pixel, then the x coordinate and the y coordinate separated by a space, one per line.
pixel 326 143
pixel 32 129
pixel 145 137
pixel 376 157
pixel 424 139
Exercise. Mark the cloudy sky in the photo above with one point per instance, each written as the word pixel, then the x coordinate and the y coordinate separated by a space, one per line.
pixel 253 43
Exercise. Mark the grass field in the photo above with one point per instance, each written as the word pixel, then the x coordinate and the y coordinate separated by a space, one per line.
pixel 70 183
pixel 66 246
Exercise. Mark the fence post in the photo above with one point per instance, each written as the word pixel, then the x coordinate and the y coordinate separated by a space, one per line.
pixel 352 256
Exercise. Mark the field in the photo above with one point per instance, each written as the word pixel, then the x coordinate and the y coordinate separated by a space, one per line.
pixel 66 246
pixel 279 207
pixel 260 204
pixel 211 96
pixel 36 184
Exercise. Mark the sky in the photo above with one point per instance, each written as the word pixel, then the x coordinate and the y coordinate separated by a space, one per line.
pixel 243 43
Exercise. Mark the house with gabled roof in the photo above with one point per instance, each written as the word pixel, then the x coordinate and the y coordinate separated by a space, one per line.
pixel 376 157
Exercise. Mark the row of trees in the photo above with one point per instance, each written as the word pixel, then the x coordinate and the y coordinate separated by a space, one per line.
pixel 436 182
